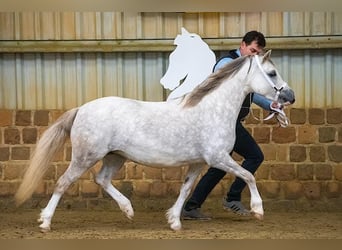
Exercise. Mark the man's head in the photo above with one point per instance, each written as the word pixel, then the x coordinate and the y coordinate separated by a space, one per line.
pixel 252 43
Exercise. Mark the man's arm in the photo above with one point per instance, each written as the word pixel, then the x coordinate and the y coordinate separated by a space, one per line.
pixel 262 101
pixel 222 62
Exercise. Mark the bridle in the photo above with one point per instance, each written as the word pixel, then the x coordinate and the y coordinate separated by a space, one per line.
pixel 268 79
pixel 279 114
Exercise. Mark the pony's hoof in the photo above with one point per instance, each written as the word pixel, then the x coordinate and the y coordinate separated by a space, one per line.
pixel 258 216
pixel 45 229
pixel 129 216
pixel 176 226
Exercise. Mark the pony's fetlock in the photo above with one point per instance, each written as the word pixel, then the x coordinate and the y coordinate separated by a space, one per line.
pixel 173 220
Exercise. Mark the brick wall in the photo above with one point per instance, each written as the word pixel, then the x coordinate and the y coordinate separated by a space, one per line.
pixel 303 162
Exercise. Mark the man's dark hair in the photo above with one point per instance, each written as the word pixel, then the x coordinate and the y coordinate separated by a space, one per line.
pixel 254 36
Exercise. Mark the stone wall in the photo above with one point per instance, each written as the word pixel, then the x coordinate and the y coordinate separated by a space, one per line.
pixel 303 162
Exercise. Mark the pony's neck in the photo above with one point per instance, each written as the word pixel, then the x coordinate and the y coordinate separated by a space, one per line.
pixel 229 96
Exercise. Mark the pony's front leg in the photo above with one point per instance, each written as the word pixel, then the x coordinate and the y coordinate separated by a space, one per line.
pixel 256 201
pixel 174 213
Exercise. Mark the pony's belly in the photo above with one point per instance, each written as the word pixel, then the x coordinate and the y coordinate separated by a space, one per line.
pixel 157 160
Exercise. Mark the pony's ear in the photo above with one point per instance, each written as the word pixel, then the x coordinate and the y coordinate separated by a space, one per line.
pixel 184 31
pixel 267 56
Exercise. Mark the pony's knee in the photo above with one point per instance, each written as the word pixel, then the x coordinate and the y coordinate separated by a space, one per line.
pixel 249 177
pixel 100 180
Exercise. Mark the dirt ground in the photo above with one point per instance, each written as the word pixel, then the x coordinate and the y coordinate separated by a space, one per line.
pixel 112 224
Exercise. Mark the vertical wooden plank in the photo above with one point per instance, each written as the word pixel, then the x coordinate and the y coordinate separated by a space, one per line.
pixel 129 25
pixel 98 25
pixel 152 25
pixel 88 25
pixel 243 24
pixel 37 26
pixel 190 22
pixel 108 25
pixel 200 25
pixel 286 23
pixel 318 23
pixel 172 25
pixel 119 25
pixel 307 24
pixel 253 21
pixel 27 26
pixel 211 25
pixel 47 24
pixel 17 26
pixel 328 23
pixel 68 25
pixel 233 24
pixel 57 26
pixel 139 26
pixel 275 24
pixel 296 24
pixel 264 21
pixel 337 23
pixel 7 26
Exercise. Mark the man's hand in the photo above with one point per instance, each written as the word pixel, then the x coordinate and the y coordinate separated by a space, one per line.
pixel 279 113
pixel 276 106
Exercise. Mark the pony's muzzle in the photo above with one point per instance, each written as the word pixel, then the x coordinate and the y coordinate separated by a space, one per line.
pixel 286 96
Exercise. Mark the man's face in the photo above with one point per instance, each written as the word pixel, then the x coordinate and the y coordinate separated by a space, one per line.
pixel 251 49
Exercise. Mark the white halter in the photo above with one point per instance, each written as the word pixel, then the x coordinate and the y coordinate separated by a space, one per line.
pixel 279 112
pixel 268 78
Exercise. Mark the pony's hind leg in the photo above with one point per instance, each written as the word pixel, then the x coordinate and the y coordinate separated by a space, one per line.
pixel 111 165
pixel 74 171
pixel 174 213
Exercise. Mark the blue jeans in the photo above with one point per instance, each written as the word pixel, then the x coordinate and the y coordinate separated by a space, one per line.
pixel 246 146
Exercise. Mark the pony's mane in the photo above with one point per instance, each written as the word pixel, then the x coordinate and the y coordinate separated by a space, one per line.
pixel 213 81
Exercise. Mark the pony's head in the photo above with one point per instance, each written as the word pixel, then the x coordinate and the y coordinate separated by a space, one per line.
pixel 267 81
pixel 192 57
pixel 254 74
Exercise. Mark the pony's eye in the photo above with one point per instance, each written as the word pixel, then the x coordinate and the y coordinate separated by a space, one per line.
pixel 273 73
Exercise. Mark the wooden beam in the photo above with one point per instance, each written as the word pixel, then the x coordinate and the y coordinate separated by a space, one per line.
pixel 160 45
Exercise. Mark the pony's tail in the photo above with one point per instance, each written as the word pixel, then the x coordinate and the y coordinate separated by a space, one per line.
pixel 50 143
